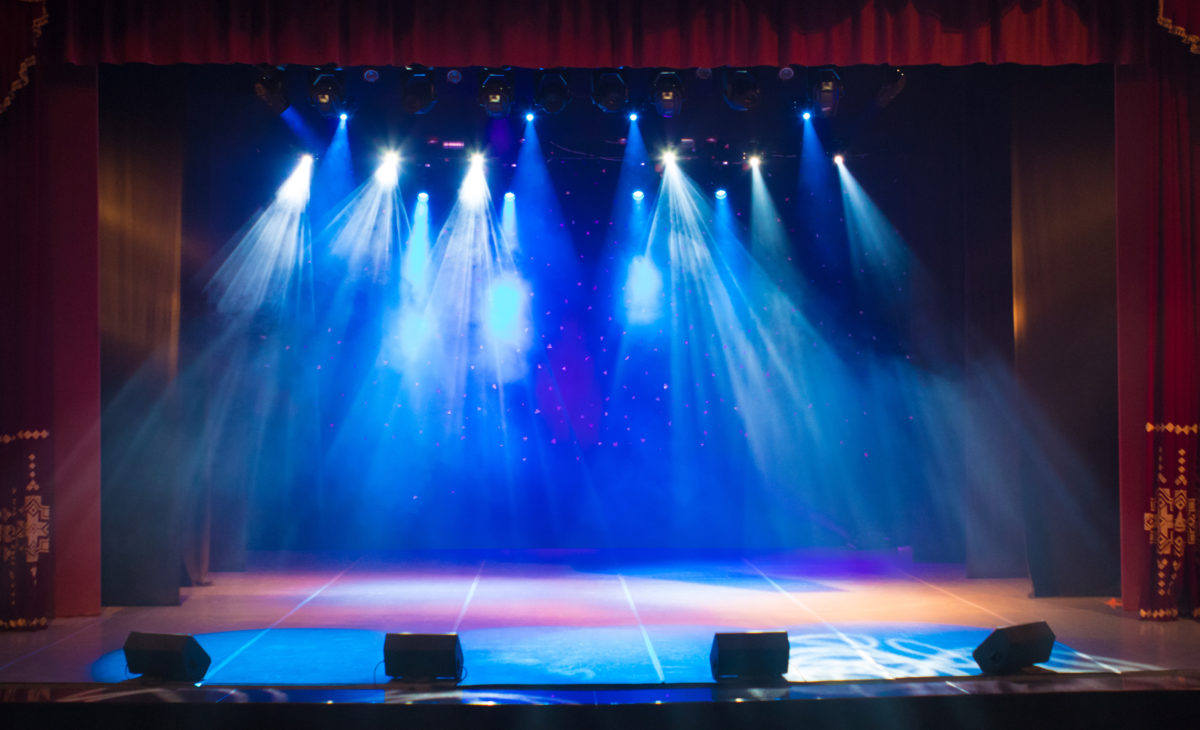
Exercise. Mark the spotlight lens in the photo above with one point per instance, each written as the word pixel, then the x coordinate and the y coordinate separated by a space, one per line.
pixel 721 194
pixel 838 159
pixel 755 161
pixel 529 117
pixel 422 197
pixel 807 116
pixel 477 159
pixel 509 196
pixel 669 157
pixel 638 195
pixel 633 117
pixel 306 159
pixel 391 157
pixel 343 116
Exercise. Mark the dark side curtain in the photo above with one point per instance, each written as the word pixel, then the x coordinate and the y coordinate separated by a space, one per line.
pixel 594 33
pixel 154 509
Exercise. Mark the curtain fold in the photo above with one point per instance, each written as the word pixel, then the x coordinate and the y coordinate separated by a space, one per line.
pixel 592 33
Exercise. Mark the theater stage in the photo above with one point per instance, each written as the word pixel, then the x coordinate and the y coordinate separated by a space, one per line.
pixel 560 618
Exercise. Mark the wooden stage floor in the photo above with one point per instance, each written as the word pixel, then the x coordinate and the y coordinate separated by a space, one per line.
pixel 529 618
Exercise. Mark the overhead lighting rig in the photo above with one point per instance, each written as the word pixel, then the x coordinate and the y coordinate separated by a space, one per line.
pixel 827 92
pixel 268 87
pixel 551 92
pixel 741 89
pixel 420 94
pixel 327 90
pixel 496 92
pixel 668 93
pixel 609 90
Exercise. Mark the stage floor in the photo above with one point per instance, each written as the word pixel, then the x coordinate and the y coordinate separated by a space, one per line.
pixel 590 618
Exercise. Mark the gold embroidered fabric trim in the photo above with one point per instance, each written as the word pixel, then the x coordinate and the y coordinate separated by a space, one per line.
pixel 25 435
pixel 22 79
pixel 19 624
pixel 1191 39
pixel 1172 428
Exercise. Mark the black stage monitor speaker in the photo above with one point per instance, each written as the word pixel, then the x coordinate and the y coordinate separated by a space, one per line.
pixel 1009 649
pixel 759 655
pixel 170 657
pixel 423 657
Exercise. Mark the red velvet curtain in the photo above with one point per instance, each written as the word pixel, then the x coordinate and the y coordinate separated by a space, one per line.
pixel 1158 164
pixel 593 33
pixel 25 385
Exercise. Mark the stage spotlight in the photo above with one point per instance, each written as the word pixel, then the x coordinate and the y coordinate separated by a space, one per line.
pixel 827 92
pixel 704 73
pixel 638 195
pixel 268 87
pixel 668 93
pixel 806 115
pixel 474 187
pixel 510 196
pixel 741 89
pixel 419 94
pixel 370 76
pixel 343 116
pixel 668 157
pixel 454 76
pixel 839 160
pixel 754 161
pixel 609 91
pixel 529 116
pixel 326 91
pixel 721 194
pixel 786 73
pixel 633 116
pixel 167 657
pixel 388 172
pixel 423 197
pixel 294 190
pixel 551 93
pixel 496 93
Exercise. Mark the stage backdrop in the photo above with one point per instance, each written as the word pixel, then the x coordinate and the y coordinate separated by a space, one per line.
pixel 915 420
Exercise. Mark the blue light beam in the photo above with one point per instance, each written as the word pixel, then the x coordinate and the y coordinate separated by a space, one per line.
pixel 268 260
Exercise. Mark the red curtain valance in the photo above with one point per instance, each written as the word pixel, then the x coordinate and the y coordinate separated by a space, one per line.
pixel 591 33
pixel 21 23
